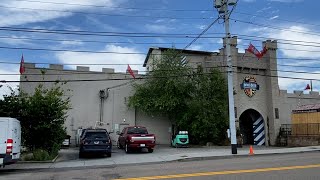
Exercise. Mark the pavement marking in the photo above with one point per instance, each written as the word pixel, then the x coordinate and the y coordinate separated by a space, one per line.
pixel 223 172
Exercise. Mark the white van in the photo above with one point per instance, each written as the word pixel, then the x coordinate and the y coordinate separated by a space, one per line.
pixel 10 140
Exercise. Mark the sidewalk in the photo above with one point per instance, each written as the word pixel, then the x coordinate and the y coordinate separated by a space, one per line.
pixel 68 157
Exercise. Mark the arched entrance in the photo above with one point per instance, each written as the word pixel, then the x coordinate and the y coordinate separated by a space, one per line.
pixel 252 127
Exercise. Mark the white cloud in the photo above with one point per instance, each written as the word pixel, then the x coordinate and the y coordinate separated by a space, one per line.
pixel 195 47
pixel 299 33
pixel 158 28
pixel 298 84
pixel 274 17
pixel 202 27
pixel 95 58
pixel 9 69
pixel 72 43
pixel 15 40
pixel 20 12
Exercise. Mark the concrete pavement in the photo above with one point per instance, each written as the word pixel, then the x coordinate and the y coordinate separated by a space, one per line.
pixel 68 158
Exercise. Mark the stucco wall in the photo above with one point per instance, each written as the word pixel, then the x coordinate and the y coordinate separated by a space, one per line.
pixel 85 100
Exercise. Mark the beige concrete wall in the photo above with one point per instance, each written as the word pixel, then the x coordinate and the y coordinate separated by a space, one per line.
pixel 160 126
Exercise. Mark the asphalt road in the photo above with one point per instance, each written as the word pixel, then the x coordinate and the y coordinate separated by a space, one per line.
pixel 268 167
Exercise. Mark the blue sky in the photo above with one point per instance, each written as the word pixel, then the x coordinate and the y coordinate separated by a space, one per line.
pixel 292 21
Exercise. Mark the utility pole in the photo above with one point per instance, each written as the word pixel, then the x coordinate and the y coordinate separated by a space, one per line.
pixel 222 6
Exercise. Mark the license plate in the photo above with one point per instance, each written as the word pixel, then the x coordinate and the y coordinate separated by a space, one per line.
pixel 16 156
pixel 96 142
pixel 142 145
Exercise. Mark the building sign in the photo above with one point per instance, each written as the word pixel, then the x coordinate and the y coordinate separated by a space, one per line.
pixel 249 85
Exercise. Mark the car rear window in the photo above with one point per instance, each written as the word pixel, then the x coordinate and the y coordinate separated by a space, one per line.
pixel 137 131
pixel 96 135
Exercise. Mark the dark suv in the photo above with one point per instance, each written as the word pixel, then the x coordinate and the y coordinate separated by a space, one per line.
pixel 95 141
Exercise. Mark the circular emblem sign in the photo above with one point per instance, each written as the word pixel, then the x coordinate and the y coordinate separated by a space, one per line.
pixel 249 86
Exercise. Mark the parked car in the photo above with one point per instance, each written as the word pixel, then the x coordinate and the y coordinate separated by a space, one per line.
pixel 95 141
pixel 66 142
pixel 10 141
pixel 136 138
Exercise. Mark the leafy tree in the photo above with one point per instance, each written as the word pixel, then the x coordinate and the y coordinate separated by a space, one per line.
pixel 207 111
pixel 165 91
pixel 193 100
pixel 41 114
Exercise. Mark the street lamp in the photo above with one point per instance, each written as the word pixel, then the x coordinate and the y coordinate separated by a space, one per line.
pixel 222 6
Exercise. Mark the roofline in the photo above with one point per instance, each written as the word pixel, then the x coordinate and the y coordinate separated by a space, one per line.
pixel 182 50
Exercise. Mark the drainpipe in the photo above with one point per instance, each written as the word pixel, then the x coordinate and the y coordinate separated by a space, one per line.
pixel 103 95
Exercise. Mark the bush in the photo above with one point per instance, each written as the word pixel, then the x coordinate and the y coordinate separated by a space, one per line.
pixel 40 155
pixel 55 150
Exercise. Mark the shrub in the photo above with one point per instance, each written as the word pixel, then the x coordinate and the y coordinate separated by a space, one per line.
pixel 40 155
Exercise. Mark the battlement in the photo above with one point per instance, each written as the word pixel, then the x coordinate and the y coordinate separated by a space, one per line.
pixel 297 94
pixel 271 45
pixel 233 41
pixel 59 67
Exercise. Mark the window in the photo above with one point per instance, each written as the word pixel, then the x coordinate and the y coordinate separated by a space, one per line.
pixel 135 130
pixel 235 112
pixel 276 112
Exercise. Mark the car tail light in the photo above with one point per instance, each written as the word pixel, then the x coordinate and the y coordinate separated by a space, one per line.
pixel 109 141
pixel 130 139
pixel 9 146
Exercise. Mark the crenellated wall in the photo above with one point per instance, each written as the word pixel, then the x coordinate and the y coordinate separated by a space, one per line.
pixel 290 101
pixel 83 88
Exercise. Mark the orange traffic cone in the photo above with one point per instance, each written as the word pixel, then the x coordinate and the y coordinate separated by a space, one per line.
pixel 251 151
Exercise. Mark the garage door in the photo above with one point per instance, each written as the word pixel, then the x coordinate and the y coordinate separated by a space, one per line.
pixel 160 126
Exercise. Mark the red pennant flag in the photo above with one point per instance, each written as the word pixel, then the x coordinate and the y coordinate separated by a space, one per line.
pixel 307 87
pixel 130 71
pixel 22 69
pixel 264 50
pixel 256 52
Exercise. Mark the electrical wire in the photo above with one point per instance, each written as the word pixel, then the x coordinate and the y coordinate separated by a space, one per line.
pixel 203 32
pixel 115 7
pixel 152 77
pixel 277 28
pixel 279 19
pixel 105 14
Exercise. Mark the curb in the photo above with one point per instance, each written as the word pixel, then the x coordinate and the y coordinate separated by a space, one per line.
pixel 49 161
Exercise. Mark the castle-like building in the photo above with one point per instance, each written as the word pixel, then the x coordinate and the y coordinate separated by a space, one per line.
pixel 99 99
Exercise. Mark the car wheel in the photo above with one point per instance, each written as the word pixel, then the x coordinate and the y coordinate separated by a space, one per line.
pixel 127 149
pixel 119 145
pixel 109 154
pixel 150 150
pixel 80 154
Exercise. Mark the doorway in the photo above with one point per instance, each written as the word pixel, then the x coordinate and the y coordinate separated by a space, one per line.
pixel 252 127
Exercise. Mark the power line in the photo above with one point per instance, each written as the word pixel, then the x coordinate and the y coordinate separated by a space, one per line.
pixel 150 77
pixel 123 42
pixel 106 14
pixel 74 72
pixel 204 31
pixel 279 19
pixel 150 35
pixel 275 27
pixel 114 7
pixel 91 41
pixel 107 34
